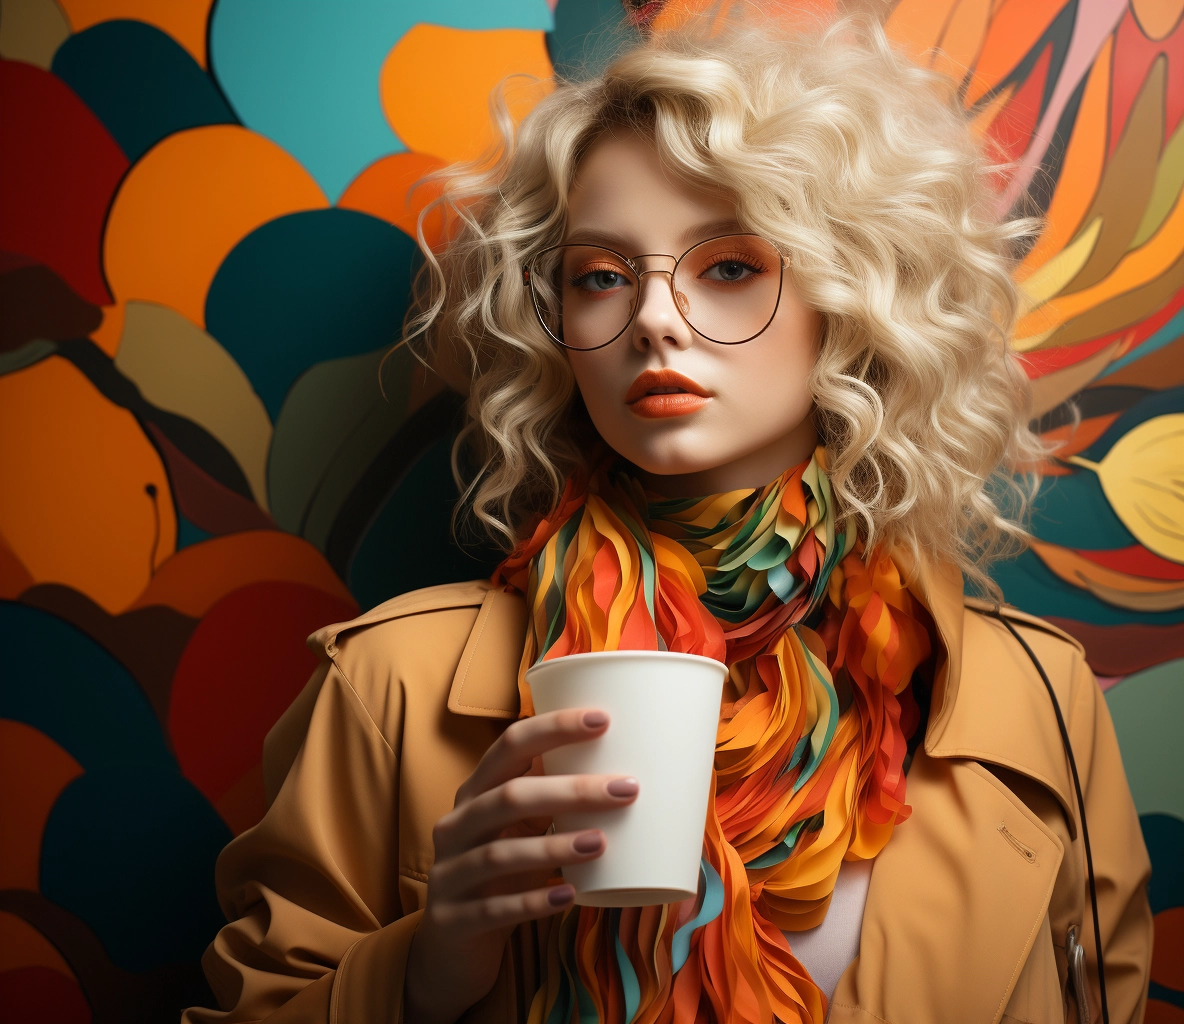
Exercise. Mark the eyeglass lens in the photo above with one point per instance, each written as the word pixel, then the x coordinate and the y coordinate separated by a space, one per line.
pixel 727 289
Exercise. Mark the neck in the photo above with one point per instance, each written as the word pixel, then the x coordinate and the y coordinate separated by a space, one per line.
pixel 751 470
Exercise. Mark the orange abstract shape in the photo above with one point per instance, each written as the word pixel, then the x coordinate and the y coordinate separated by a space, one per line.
pixel 384 190
pixel 1139 266
pixel 436 83
pixel 663 17
pixel 14 577
pixel 1157 18
pixel 963 39
pixel 86 500
pixel 33 772
pixel 1085 159
pixel 187 203
pixel 196 577
pixel 917 25
pixel 184 20
pixel 22 945
pixel 1015 29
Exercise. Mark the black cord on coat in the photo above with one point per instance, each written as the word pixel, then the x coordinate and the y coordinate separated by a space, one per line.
pixel 1089 857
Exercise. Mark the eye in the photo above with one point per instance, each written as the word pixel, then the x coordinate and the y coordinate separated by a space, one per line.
pixel 731 269
pixel 599 279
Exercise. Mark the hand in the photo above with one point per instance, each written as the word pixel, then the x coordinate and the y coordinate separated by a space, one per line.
pixel 484 883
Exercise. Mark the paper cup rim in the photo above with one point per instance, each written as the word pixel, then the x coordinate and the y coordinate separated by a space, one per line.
pixel 613 655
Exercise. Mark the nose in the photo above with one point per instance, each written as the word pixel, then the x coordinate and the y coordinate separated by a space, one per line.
pixel 657 320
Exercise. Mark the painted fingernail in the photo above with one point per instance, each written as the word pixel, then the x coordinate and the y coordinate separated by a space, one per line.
pixel 623 787
pixel 560 895
pixel 595 719
pixel 588 842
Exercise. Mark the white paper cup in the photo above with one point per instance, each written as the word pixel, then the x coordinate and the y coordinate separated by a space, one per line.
pixel 664 708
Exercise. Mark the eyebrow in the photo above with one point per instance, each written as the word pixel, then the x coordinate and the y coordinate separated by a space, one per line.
pixel 612 240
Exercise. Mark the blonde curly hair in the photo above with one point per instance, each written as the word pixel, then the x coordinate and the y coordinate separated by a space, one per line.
pixel 862 167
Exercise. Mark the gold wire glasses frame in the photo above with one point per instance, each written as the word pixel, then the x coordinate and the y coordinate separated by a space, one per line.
pixel 723 306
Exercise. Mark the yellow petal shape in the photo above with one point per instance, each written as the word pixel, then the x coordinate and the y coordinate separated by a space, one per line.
pixel 1143 479
pixel 179 367
pixel 436 82
pixel 1060 270
pixel 187 203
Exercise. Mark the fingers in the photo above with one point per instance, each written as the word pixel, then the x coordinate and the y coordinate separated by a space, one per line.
pixel 528 796
pixel 472 917
pixel 511 754
pixel 458 876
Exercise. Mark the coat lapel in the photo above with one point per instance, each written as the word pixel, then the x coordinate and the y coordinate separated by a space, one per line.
pixel 959 895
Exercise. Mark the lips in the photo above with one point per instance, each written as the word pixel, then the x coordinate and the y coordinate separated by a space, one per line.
pixel 657 394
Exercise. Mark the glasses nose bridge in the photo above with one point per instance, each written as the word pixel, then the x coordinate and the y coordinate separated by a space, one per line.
pixel 642 268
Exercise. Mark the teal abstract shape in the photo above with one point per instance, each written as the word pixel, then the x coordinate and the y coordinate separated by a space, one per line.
pixel 1073 511
pixel 420 506
pixel 305 288
pixel 1029 584
pixel 58 680
pixel 1148 709
pixel 132 854
pixel 310 82
pixel 1164 836
pixel 1158 403
pixel 1168 333
pixel 588 34
pixel 141 83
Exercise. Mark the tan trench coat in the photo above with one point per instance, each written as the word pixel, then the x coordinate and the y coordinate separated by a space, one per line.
pixel 969 904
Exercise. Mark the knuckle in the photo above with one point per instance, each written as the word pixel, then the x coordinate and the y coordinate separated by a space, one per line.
pixel 493 856
pixel 513 795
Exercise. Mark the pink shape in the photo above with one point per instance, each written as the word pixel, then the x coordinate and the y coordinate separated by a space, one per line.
pixel 1096 19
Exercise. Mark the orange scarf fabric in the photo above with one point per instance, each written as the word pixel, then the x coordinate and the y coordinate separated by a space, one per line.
pixel 821 647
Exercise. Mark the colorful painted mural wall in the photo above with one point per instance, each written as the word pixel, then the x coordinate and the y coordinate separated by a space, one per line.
pixel 205 251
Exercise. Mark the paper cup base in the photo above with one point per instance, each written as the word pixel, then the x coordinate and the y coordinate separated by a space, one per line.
pixel 631 897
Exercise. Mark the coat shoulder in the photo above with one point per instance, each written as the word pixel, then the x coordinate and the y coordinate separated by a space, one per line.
pixel 447 596
pixel 1022 621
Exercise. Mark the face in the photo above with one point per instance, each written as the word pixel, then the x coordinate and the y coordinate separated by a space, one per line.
pixel 694 416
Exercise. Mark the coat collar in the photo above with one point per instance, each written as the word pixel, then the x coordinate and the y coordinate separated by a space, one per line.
pixel 1004 717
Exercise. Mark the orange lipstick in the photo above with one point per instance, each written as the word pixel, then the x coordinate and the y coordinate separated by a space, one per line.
pixel 659 394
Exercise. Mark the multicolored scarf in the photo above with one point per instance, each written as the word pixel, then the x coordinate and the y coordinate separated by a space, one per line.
pixel 820 645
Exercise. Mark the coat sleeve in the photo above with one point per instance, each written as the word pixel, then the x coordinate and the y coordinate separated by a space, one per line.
pixel 1121 864
pixel 318 933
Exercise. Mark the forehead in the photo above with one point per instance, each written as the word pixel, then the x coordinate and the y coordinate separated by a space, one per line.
pixel 623 194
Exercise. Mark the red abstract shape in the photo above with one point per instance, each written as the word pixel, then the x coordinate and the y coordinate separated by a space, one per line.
pixel 40 994
pixel 243 666
pixel 1134 54
pixel 60 170
pixel 1012 129
pixel 1136 561
pixel 1167 958
pixel 1121 650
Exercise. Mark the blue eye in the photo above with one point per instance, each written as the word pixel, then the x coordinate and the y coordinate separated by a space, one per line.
pixel 600 280
pixel 730 271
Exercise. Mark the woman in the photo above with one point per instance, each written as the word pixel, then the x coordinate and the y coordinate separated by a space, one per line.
pixel 741 387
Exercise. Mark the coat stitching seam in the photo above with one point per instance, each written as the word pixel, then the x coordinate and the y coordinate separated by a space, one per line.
pixel 860 1009
pixel 369 717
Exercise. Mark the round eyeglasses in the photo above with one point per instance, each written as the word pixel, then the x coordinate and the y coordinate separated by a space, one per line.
pixel 727 289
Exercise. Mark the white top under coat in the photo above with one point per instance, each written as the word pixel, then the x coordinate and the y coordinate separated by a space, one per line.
pixel 829 949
